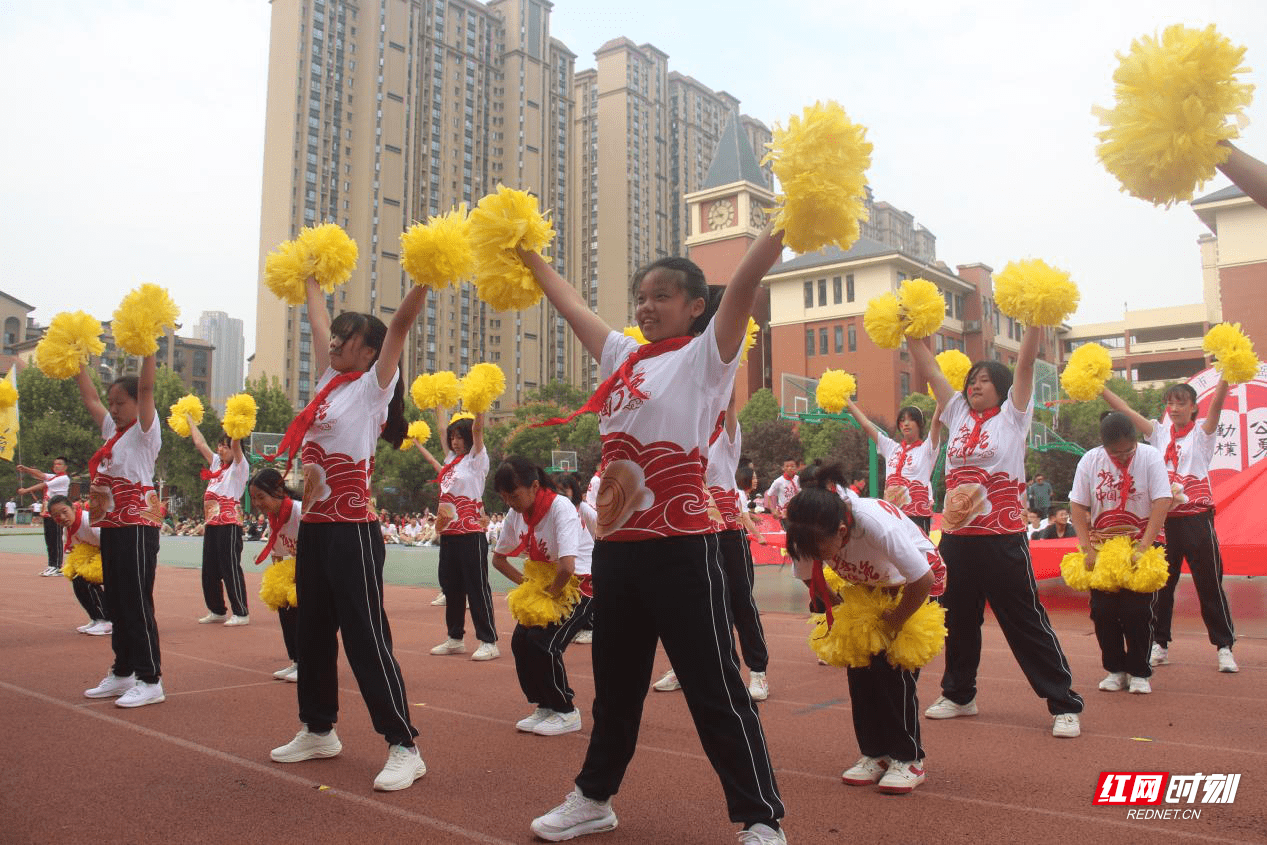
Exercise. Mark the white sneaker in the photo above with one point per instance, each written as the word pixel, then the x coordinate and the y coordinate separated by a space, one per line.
pixel 1140 686
pixel 236 620
pixel 307 745
pixel 49 572
pixel 439 601
pixel 293 677
pixel 758 687
pixel 1067 726
pixel 558 723
pixel 762 834
pixel 1157 657
pixel 944 708
pixel 83 629
pixel 450 647
pixel 585 636
pixel 902 777
pixel 281 674
pixel 486 651
pixel 141 695
pixel 668 683
pixel 111 686
pixel 576 816
pixel 1114 682
pixel 213 617
pixel 403 767
pixel 101 628
pixel 1227 663
pixel 536 717
pixel 866 771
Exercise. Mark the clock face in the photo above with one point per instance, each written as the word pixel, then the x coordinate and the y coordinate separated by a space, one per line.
pixel 721 214
pixel 756 216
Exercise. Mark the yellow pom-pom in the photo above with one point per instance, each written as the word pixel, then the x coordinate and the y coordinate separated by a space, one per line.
pixel 419 431
pixel 188 404
pixel 1073 569
pixel 8 395
pixel 239 416
pixel 749 340
pixel 1150 573
pixel 923 308
pixel 1034 292
pixel 532 606
pixel 285 271
pixel 72 338
pixel 1089 367
pixel 920 639
pixel 482 386
pixel 954 366
pixel 1178 96
pixel 835 584
pixel 821 162
pixel 635 333
pixel 329 254
pixel 438 253
pixel 141 318
pixel 1239 366
pixel 277 587
pixel 84 561
pixel 883 321
pixel 501 222
pixel 435 390
pixel 461 415
pixel 834 388
pixel 1233 352
pixel 1113 564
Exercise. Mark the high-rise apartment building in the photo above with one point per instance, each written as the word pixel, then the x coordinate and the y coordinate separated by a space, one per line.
pixel 225 334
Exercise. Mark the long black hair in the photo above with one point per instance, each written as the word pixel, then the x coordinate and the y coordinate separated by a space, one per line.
pixel 690 280
pixel 816 513
pixel 1000 377
pixel 464 428
pixel 373 332
pixel 516 472
pixel 271 482
pixel 569 485
pixel 915 415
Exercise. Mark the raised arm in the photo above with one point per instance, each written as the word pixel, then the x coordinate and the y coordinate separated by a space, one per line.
pixel 319 322
pixel 397 331
pixel 732 419
pixel 588 326
pixel 867 425
pixel 426 453
pixel 477 434
pixel 1142 424
pixel 1216 408
pixel 731 320
pixel 935 429
pixel 145 411
pixel 200 442
pixel 236 450
pixel 927 364
pixel 1023 377
pixel 92 399
pixel 1249 174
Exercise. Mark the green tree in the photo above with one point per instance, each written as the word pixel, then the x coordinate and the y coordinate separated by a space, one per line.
pixel 760 408
pixel 177 472
pixel 768 445
pixel 273 409
pixel 52 422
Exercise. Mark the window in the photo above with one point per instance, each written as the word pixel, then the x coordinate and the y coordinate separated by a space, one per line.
pixel 822 293
pixel 906 385
pixel 840 335
pixel 853 338
pixel 822 341
pixel 849 287
pixel 835 291
pixel 809 340
pixel 959 306
pixel 809 294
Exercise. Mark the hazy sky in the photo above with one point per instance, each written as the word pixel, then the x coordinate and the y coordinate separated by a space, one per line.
pixel 133 137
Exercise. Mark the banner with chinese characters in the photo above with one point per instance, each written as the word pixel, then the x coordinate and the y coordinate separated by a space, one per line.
pixel 1242 428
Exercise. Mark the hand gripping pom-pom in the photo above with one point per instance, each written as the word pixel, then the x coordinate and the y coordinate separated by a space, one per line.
pixel 277 587
pixel 188 404
pixel 1178 96
pixel 954 366
pixel 923 308
pixel 482 386
pixel 142 317
pixel 239 416
pixel 920 639
pixel 1089 367
pixel 1233 353
pixel 438 253
pixel 883 321
pixel 532 606
pixel 1073 569
pixel 1034 292
pixel 72 338
pixel 419 431
pixel 1150 573
pixel 83 561
pixel 435 390
pixel 329 254
pixel 500 223
pixel 749 340
pixel 821 162
pixel 834 388
pixel 8 395
pixel 635 333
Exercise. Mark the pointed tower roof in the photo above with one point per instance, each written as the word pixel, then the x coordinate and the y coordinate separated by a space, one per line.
pixel 734 160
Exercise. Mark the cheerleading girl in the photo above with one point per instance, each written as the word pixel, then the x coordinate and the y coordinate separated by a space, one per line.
pixel 545 529
pixel 55 483
pixel 123 504
pixel 463 569
pixel 87 538
pixel 1121 488
pixel 271 495
pixel 1187 449
pixel 339 560
pixel 658 572
pixel 908 479
pixel 869 542
pixel 983 537
pixel 222 532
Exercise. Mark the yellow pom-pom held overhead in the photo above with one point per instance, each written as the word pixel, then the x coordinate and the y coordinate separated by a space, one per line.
pixel 1233 352
pixel 142 317
pixel 285 271
pixel 500 223
pixel 188 404
pixel 834 388
pixel 923 307
pixel 461 415
pixel 482 386
pixel 418 431
pixel 1177 97
pixel 883 321
pixel 8 395
pixel 1089 367
pixel 438 253
pixel 72 338
pixel 435 390
pixel 820 161
pixel 954 366
pixel 329 254
pixel 239 416
pixel 1034 292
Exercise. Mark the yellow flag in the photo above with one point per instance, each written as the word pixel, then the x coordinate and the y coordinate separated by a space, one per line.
pixel 9 420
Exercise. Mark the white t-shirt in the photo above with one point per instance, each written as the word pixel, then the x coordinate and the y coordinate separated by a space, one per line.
pixel 591 492
pixel 36 507
pixel 1097 486
pixel 1190 479
pixel 985 480
pixel 86 532
pixel 338 450
pixel 884 549
pixel 10 507
pixel 56 485
pixel 122 493
pixel 589 519
pixel 655 449
pixel 222 502
pixel 288 534
pixel 908 474
pixel 462 493
pixel 781 492
pixel 556 535
pixel 723 460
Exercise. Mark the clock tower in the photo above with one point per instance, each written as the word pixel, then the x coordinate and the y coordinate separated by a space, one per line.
pixel 725 216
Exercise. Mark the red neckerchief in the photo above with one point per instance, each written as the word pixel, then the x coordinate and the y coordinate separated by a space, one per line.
pixel 208 475
pixel 901 459
pixel 448 468
pixel 275 524
pixel 818 583
pixel 299 426
pixel 106 450
pixel 1124 486
pixel 74 526
pixel 1172 448
pixel 979 419
pixel 540 507
pixel 624 373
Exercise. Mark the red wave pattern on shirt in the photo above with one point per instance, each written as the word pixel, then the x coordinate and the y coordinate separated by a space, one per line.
pixel 469 513
pixel 228 511
pixel 1005 494
pixel 1117 522
pixel 921 503
pixel 349 483
pixel 133 503
pixel 727 502
pixel 1200 497
pixel 676 479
